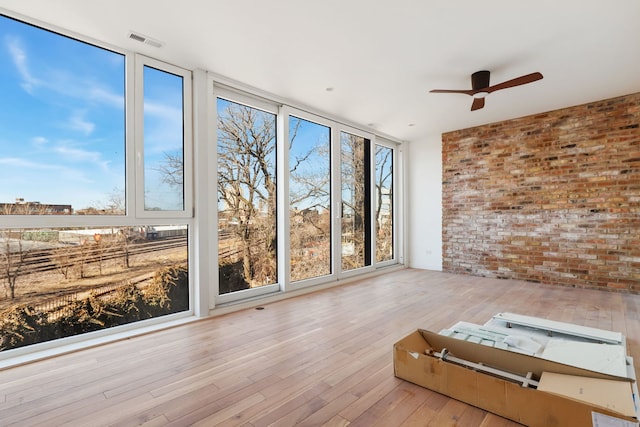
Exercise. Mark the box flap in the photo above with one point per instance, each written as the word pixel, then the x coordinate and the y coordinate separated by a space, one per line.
pixel 614 395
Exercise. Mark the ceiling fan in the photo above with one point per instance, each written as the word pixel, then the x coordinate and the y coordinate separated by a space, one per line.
pixel 480 86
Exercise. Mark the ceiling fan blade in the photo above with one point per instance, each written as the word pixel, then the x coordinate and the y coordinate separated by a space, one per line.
pixel 478 103
pixel 515 82
pixel 466 92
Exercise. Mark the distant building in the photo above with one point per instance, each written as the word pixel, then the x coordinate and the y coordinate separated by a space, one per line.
pixel 20 207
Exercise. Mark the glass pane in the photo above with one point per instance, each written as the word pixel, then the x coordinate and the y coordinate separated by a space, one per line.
pixel 60 282
pixel 63 124
pixel 384 203
pixel 309 198
pixel 246 197
pixel 356 205
pixel 163 141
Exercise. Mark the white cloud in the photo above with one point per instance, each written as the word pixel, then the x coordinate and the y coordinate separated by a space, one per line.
pixel 22 163
pixel 39 140
pixel 105 96
pixel 78 155
pixel 78 122
pixel 68 153
pixel 60 81
pixel 163 111
pixel 163 127
pixel 28 167
pixel 19 57
pixel 28 164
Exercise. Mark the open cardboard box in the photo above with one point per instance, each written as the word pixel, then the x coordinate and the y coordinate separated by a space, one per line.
pixel 500 396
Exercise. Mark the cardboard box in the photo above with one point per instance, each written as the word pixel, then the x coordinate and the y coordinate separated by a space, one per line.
pixel 611 394
pixel 525 405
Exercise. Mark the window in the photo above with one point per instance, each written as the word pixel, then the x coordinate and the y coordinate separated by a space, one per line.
pixel 98 179
pixel 94 222
pixel 62 146
pixel 64 281
pixel 309 199
pixel 163 103
pixel 384 204
pixel 356 201
pixel 330 217
pixel 163 141
pixel 246 197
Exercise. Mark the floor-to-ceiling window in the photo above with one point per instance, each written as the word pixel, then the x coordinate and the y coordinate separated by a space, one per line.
pixel 98 191
pixel 246 196
pixel 384 203
pixel 309 198
pixel 355 164
pixel 94 203
pixel 336 198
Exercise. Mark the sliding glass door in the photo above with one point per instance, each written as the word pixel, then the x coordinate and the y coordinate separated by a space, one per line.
pixel 355 191
pixel 384 204
pixel 309 199
pixel 246 195
pixel 329 217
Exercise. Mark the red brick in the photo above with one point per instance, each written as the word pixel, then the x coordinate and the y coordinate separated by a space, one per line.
pixel 551 198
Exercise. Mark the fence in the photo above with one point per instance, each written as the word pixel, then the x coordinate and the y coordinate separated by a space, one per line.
pixel 58 307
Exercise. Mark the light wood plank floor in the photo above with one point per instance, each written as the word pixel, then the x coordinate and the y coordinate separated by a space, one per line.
pixel 321 359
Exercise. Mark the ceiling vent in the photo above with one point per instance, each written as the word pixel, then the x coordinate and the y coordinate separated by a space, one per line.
pixel 144 39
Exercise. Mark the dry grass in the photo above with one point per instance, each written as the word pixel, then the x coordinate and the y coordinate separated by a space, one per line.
pixel 39 287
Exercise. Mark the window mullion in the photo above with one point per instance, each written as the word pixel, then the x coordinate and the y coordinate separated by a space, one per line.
pixel 283 227
pixel 135 102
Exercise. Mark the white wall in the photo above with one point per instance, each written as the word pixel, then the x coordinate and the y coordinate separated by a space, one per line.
pixel 424 203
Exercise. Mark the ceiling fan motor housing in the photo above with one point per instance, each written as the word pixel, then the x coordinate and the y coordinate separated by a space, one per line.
pixel 480 80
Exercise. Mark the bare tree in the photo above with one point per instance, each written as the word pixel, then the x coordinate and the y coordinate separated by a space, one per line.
pixel 309 198
pixel 100 250
pixel 246 186
pixel 13 258
pixel 124 240
pixel 83 254
pixel 172 169
pixel 63 259
pixel 27 208
pixel 384 203
pixel 115 202
pixel 354 164
pixel 310 187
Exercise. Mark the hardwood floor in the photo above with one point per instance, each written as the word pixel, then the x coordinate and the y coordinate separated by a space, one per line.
pixel 320 359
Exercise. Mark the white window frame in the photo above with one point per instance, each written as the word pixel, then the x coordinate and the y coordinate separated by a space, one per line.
pixel 132 197
pixel 337 188
pixel 233 95
pixel 187 143
pixel 395 200
pixel 285 246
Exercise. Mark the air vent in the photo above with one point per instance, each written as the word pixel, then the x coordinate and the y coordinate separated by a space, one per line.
pixel 153 43
pixel 144 39
pixel 136 37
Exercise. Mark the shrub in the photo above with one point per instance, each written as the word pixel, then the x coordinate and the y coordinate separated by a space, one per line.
pixel 167 293
pixel 20 325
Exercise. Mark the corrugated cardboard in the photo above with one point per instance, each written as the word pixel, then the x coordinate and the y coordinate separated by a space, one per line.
pixel 610 394
pixel 502 397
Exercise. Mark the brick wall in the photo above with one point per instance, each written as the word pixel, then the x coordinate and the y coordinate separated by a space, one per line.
pixel 551 198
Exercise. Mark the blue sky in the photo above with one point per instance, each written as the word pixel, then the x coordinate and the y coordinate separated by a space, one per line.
pixel 316 163
pixel 62 118
pixel 62 128
pixel 163 133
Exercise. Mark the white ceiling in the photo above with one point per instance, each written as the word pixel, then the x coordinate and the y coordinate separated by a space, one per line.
pixel 381 57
